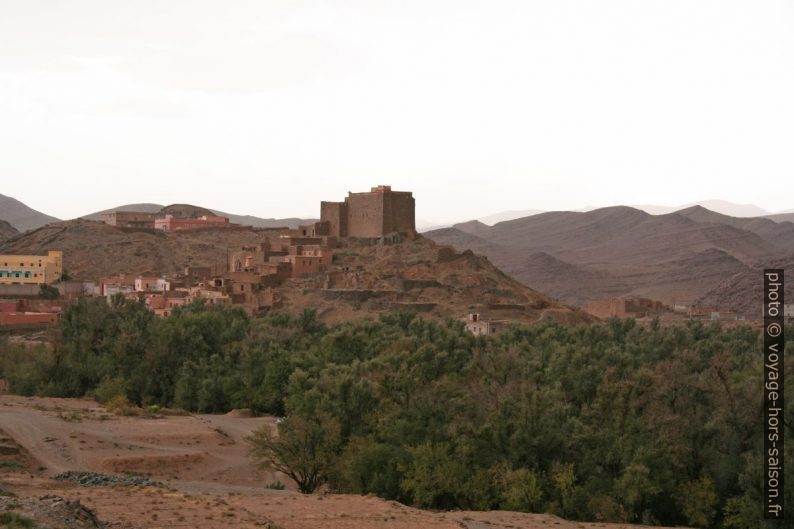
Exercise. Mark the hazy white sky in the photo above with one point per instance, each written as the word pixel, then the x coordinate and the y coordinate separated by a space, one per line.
pixel 267 107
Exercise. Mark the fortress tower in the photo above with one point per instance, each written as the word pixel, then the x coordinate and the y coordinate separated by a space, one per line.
pixel 373 214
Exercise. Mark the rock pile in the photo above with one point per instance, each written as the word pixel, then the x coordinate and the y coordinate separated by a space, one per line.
pixel 94 479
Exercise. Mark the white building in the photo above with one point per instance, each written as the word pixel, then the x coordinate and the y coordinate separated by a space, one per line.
pixel 151 284
pixel 478 326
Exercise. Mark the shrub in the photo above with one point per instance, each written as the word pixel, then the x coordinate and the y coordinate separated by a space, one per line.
pixel 12 520
pixel 121 406
pixel 109 389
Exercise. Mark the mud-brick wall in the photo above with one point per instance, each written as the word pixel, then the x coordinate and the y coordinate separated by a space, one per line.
pixel 365 214
pixel 335 213
pixel 399 214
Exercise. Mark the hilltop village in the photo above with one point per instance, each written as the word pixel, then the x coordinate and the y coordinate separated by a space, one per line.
pixel 363 254
pixel 251 273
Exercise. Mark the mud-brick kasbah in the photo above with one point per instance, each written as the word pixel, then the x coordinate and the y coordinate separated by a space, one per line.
pixel 251 276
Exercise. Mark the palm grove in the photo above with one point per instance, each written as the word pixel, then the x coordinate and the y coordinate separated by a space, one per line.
pixel 611 422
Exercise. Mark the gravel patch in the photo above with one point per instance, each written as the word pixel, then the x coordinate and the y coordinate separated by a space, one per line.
pixel 94 479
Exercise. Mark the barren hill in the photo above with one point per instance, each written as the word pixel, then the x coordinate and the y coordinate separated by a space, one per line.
pixel 21 216
pixel 578 257
pixel 781 217
pixel 414 274
pixel 421 276
pixel 7 231
pixel 744 291
pixel 184 211
pixel 188 210
pixel 780 232
pixel 93 249
pixel 142 208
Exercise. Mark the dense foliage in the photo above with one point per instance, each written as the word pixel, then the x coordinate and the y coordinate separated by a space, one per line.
pixel 605 422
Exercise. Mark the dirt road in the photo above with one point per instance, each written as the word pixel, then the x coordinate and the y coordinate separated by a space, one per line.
pixel 208 481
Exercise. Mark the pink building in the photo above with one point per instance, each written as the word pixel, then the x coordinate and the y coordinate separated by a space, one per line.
pixel 170 223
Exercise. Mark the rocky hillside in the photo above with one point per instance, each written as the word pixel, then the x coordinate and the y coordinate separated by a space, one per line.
pixel 744 291
pixel 622 251
pixel 93 249
pixel 20 216
pixel 7 231
pixel 414 275
pixel 420 275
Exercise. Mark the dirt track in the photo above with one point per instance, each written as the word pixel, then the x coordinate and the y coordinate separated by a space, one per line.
pixel 208 480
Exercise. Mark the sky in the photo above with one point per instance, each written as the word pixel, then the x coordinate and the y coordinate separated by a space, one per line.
pixel 268 107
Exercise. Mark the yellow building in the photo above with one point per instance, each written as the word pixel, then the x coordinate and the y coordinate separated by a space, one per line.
pixel 31 269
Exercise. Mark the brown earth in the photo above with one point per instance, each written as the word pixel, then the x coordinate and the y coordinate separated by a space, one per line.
pixel 622 251
pixel 416 275
pixel 207 479
pixel 421 276
pixel 7 231
pixel 745 290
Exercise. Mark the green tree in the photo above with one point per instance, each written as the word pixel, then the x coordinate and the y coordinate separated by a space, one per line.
pixel 304 449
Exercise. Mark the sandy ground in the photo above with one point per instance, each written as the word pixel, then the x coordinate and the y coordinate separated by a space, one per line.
pixel 208 479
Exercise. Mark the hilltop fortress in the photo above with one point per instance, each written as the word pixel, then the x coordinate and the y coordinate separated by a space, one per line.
pixel 374 214
pixel 254 272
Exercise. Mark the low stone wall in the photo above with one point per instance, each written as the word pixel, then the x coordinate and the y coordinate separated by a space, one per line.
pixel 354 294
pixel 67 288
pixel 411 284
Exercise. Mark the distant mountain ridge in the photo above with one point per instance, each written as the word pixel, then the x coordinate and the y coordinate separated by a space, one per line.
pixel 180 210
pixel 22 217
pixel 718 206
pixel 623 251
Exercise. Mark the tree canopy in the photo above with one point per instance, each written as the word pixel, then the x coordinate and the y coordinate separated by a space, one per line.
pixel 609 422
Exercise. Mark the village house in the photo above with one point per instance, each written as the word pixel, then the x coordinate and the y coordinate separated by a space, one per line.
pixel 129 219
pixel 479 326
pixel 625 308
pixel 151 284
pixel 110 286
pixel 31 269
pixel 170 223
pixel 195 275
